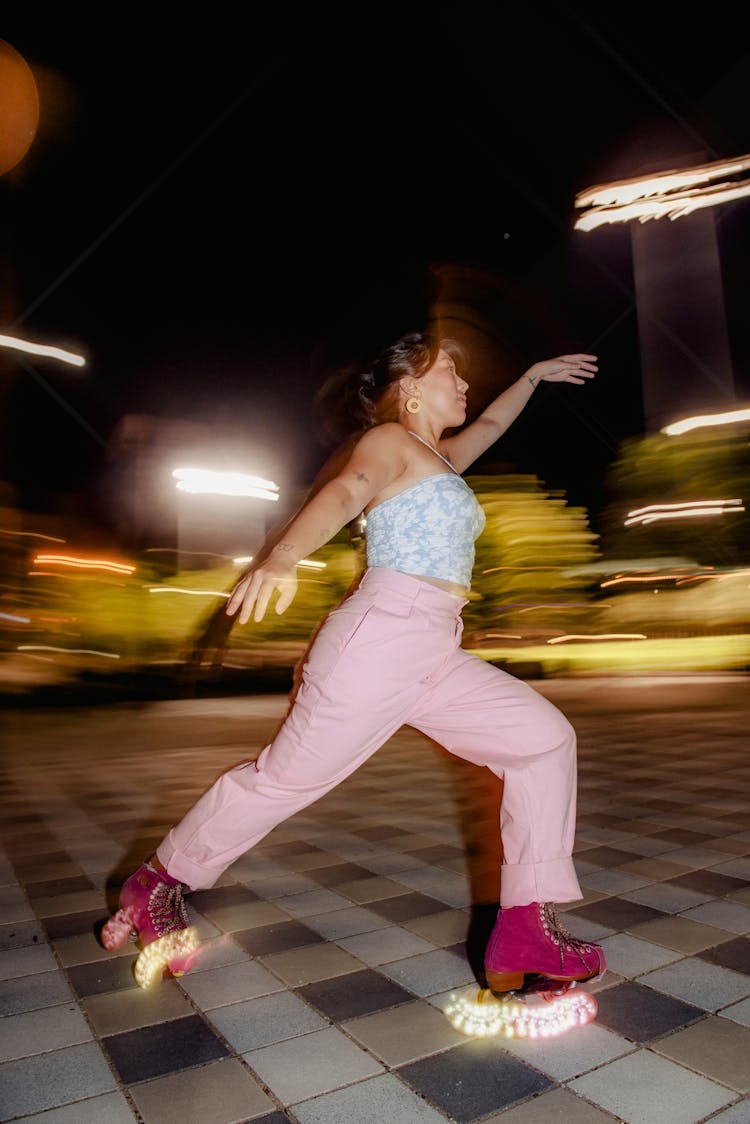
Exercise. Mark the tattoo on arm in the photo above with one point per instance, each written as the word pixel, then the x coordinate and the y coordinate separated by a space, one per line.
pixel 362 476
pixel 285 546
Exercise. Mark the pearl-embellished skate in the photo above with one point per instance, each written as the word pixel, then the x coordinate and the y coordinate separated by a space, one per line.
pixel 152 911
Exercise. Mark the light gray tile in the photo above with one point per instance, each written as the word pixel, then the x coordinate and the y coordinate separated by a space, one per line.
pixel 311 1064
pixel 57 1078
pixel 26 961
pixel 316 901
pixel 705 985
pixel 377 1099
pixel 642 1088
pixel 385 945
pixel 30 993
pixel 223 1092
pixel 614 881
pixel 229 984
pixel 669 899
pixel 430 972
pixel 738 1012
pixel 37 1032
pixel 260 1022
pixel 725 915
pixel 630 957
pixel 570 1054
pixel 346 923
pixel 110 1108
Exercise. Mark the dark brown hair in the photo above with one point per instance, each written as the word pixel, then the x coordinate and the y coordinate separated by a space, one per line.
pixel 352 401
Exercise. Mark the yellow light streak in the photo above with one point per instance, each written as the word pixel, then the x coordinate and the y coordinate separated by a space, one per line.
pixel 192 592
pixel 675 429
pixel 600 636
pixel 67 651
pixel 205 481
pixel 43 349
pixel 85 563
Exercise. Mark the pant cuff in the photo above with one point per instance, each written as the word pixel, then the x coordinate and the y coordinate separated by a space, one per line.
pixel 553 881
pixel 184 869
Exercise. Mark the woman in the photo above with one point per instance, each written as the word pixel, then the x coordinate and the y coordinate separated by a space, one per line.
pixel 390 655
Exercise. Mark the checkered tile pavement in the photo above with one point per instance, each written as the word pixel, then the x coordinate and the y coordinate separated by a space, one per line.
pixel 332 949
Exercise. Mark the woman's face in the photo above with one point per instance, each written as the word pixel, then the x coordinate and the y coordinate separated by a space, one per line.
pixel 444 391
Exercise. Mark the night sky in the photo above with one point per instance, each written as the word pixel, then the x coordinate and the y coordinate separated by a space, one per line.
pixel 218 210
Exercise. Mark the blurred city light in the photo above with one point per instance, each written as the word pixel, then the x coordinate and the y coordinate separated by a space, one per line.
pixel 205 481
pixel 701 420
pixel 106 564
pixel 688 509
pixel 673 193
pixel 43 349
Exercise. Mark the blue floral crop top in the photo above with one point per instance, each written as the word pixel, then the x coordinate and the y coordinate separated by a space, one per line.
pixel 428 529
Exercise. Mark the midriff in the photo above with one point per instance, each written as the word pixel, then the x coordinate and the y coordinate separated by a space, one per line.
pixel 450 587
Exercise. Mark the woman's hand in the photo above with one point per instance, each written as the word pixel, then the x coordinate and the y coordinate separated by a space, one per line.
pixel 565 368
pixel 253 592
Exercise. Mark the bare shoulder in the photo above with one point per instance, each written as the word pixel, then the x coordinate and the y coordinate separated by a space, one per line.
pixel 386 439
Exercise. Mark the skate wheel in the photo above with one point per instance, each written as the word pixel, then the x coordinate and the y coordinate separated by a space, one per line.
pixel 548 1016
pixel 157 955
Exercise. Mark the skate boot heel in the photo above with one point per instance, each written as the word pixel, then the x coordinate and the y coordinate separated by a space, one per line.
pixel 501 982
pixel 119 929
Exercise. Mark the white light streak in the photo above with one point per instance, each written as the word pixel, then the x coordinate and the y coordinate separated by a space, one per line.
pixel 702 420
pixel 687 510
pixel 674 194
pixel 67 651
pixel 43 349
pixel 205 481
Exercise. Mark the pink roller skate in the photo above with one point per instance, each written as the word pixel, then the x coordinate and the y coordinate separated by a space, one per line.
pixel 529 950
pixel 152 910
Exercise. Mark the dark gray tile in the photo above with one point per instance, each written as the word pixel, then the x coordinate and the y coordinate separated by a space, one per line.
pixel 357 993
pixel 708 882
pixel 642 1014
pixel 615 913
pixel 381 831
pixel 102 976
pixel 153 1051
pixel 281 937
pixel 732 954
pixel 472 1080
pixel 57 886
pixel 606 856
pixel 341 872
pixel 683 836
pixel 27 865
pixel 218 896
pixel 407 907
pixel 74 924
pixel 21 934
pixel 438 853
pixel 286 850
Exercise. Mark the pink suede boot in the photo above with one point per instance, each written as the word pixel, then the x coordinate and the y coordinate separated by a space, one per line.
pixel 528 940
pixel 152 909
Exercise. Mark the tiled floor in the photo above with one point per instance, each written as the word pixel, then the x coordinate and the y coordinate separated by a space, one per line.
pixel 332 949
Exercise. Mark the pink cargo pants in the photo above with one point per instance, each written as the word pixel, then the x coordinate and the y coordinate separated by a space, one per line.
pixel 389 656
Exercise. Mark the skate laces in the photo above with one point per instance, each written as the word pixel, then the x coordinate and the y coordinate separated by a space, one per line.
pixel 557 932
pixel 166 908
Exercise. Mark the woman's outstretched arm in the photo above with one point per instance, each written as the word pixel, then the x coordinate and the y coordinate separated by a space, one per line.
pixel 463 448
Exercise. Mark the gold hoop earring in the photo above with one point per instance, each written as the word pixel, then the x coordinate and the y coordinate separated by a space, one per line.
pixel 413 404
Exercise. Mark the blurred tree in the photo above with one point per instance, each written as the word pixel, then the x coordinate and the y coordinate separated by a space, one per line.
pixel 703 464
pixel 532 539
